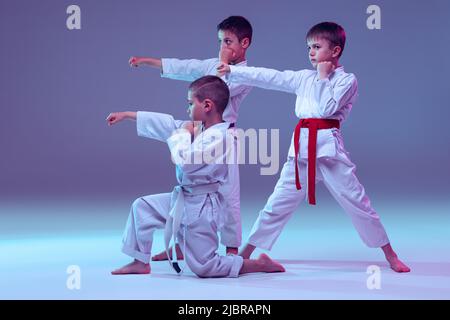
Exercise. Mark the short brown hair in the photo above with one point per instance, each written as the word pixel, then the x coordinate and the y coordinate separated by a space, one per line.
pixel 330 31
pixel 213 88
pixel 238 25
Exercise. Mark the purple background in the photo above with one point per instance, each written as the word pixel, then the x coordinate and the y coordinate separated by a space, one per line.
pixel 57 87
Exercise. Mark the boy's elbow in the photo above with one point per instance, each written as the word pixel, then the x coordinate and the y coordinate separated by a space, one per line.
pixel 327 110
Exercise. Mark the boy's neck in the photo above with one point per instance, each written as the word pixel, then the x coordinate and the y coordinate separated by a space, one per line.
pixel 337 64
pixel 213 121
pixel 239 60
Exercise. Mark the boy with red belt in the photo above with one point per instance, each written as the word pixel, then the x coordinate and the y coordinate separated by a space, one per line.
pixel 324 99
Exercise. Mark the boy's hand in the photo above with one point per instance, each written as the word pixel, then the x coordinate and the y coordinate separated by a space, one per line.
pixel 324 69
pixel 226 55
pixel 223 69
pixel 149 61
pixel 193 127
pixel 115 117
pixel 135 61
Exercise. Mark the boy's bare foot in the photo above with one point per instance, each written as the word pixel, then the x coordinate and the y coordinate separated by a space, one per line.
pixel 247 251
pixel 393 260
pixel 268 265
pixel 262 264
pixel 162 256
pixel 397 265
pixel 135 267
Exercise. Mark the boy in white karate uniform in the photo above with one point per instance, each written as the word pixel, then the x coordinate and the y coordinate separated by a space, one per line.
pixel 235 35
pixel 324 99
pixel 192 213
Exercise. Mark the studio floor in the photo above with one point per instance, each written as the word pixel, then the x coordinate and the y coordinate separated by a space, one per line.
pixel 322 253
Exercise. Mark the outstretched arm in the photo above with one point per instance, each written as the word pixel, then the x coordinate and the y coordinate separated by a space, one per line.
pixel 287 81
pixel 177 69
pixel 186 69
pixel 145 61
pixel 192 69
pixel 155 125
pixel 151 125
pixel 117 117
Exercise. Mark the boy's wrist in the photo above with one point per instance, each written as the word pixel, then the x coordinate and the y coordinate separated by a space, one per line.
pixel 323 76
pixel 130 115
pixel 152 62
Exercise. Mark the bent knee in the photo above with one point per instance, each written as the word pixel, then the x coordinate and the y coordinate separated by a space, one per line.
pixel 205 270
pixel 136 203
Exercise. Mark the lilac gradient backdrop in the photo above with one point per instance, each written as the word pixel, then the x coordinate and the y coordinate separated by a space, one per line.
pixel 57 87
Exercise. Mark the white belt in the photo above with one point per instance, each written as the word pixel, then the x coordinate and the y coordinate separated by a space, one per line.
pixel 173 222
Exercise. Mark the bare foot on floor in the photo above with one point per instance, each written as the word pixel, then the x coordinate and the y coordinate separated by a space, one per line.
pixel 397 265
pixel 393 259
pixel 247 251
pixel 162 256
pixel 135 267
pixel 268 265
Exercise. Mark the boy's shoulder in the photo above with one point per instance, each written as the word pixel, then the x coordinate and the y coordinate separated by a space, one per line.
pixel 212 60
pixel 342 73
pixel 339 73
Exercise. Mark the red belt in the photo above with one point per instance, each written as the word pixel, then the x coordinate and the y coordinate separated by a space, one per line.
pixel 313 125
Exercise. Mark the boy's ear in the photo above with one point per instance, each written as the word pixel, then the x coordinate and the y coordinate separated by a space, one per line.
pixel 208 105
pixel 337 51
pixel 245 43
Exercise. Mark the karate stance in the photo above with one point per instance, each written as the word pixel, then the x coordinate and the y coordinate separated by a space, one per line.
pixel 235 35
pixel 193 212
pixel 324 100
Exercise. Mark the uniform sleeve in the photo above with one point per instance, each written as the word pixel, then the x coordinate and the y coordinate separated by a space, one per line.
pixel 287 81
pixel 198 158
pixel 332 98
pixel 237 98
pixel 156 125
pixel 185 70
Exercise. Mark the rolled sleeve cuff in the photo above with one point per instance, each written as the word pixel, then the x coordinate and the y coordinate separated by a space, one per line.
pixel 141 121
pixel 165 67
pixel 143 257
pixel 236 267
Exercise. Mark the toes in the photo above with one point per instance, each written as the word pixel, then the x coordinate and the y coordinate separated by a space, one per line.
pixel 404 268
pixel 400 268
pixel 117 272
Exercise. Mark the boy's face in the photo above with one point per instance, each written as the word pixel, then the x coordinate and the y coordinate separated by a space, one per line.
pixel 230 41
pixel 196 109
pixel 322 50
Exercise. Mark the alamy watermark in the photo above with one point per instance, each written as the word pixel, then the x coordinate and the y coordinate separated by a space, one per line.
pixel 236 146
pixel 374 279
pixel 73 21
pixel 73 281
pixel 374 20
